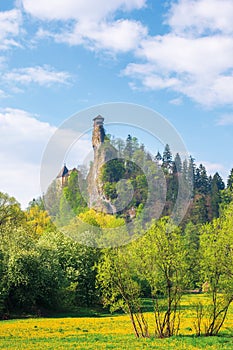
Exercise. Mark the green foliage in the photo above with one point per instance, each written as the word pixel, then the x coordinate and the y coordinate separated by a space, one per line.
pixel 161 262
pixel 52 199
pixel 230 180
pixel 156 259
pixel 216 249
pixel 40 267
pixel 10 211
pixel 73 194
pixel 167 158
pixel 110 190
pixel 38 220
pixel 199 211
pixel 119 288
pixel 177 167
pixel 113 170
pixel 101 219
pixel 192 243
pixel 202 184
pixel 217 185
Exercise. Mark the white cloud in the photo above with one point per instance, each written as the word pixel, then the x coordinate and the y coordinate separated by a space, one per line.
pixel 225 119
pixel 174 54
pixel 67 145
pixel 42 75
pixel 200 16
pixel 10 23
pixel 2 94
pixel 213 168
pixel 91 24
pixel 194 58
pixel 80 10
pixel 23 140
pixel 176 101
pixel 120 35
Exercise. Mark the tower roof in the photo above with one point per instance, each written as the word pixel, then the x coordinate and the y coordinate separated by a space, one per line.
pixel 99 117
pixel 63 172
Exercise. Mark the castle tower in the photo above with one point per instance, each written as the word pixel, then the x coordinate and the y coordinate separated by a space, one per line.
pixel 98 133
pixel 63 176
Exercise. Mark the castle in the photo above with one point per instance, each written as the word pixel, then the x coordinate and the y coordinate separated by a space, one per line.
pixel 98 137
pixel 103 152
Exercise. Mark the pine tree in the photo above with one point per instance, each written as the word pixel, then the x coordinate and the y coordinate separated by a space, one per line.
pixel 217 185
pixel 199 212
pixel 167 158
pixel 201 180
pixel 177 164
pixel 230 180
pixel 128 152
pixel 191 172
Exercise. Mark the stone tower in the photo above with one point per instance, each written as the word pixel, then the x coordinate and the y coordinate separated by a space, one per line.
pixel 98 134
pixel 103 152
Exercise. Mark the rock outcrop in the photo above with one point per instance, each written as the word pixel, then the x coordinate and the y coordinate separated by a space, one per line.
pixel 103 152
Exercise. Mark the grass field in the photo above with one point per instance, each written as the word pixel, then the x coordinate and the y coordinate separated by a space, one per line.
pixel 112 332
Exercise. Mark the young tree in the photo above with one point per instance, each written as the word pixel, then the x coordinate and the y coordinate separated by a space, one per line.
pixel 38 220
pixel 52 199
pixel 10 211
pixel 161 262
pixel 73 193
pixel 119 288
pixel 216 248
pixel 192 258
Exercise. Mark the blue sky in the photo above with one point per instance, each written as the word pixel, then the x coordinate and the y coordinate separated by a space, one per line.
pixel 58 57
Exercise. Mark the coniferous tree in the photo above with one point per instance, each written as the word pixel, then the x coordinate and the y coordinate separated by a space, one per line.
pixel 185 169
pixel 230 180
pixel 135 144
pixel 191 173
pixel 142 147
pixel 128 152
pixel 120 146
pixel 177 164
pixel 199 212
pixel 217 185
pixel 167 158
pixel 201 180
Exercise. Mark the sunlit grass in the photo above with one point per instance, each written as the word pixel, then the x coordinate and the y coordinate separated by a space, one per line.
pixel 113 332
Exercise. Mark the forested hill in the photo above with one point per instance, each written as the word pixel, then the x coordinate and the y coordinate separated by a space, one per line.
pixel 41 268
pixel 206 192
pixel 132 158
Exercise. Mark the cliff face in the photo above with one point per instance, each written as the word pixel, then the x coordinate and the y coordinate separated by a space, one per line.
pixel 98 136
pixel 103 152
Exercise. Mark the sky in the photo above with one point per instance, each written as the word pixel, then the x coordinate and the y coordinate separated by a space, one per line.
pixel 59 57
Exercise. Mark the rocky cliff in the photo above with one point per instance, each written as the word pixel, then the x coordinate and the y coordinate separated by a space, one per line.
pixel 103 152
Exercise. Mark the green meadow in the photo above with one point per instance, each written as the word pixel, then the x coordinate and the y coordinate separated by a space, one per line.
pixel 109 332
